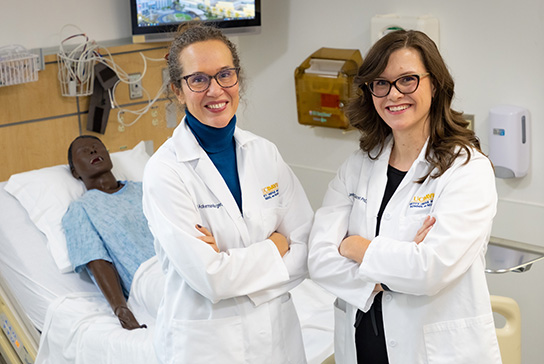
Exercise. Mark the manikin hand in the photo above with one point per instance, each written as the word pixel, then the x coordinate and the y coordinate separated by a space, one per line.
pixel 207 238
pixel 107 278
pixel 127 319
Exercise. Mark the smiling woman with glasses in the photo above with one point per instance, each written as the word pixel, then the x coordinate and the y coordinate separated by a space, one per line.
pixel 402 233
pixel 405 84
pixel 230 221
pixel 200 82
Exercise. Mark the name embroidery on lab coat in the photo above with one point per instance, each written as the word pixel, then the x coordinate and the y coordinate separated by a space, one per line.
pixel 271 191
pixel 419 202
pixel 210 206
pixel 352 195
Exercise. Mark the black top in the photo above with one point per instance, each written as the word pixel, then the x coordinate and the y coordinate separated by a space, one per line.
pixel 369 332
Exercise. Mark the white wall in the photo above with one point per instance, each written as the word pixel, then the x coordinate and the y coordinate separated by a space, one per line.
pixel 38 24
pixel 494 49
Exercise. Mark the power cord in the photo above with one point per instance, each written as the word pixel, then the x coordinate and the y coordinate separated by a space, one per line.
pixel 88 51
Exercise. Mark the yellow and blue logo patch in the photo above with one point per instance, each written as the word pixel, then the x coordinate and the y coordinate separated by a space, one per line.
pixel 271 191
pixel 419 202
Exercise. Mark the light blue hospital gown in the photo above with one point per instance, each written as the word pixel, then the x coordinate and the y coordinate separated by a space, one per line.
pixel 111 227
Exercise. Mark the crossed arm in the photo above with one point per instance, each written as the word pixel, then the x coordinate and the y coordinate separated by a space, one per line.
pixel 354 246
pixel 278 239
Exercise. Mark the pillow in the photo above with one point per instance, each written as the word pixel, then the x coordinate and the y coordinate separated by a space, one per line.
pixel 129 165
pixel 46 194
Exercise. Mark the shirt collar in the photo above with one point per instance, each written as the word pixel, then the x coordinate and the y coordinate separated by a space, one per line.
pixel 212 140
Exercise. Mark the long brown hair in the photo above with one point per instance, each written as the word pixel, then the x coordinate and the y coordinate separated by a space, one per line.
pixel 449 134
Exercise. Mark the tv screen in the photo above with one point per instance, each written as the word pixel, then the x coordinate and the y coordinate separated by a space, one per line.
pixel 157 20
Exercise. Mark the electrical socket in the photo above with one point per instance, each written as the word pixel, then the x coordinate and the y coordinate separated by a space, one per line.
pixel 135 86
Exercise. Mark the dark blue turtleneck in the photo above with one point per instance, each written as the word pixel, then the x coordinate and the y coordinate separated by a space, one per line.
pixel 220 147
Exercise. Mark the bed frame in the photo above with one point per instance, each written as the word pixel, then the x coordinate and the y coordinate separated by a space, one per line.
pixel 19 339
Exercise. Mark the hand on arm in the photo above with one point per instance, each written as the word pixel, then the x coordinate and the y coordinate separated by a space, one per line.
pixel 281 242
pixel 207 238
pixel 107 278
pixel 354 247
pixel 424 229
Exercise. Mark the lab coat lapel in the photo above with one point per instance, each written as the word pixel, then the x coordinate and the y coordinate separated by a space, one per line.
pixel 189 151
pixel 217 185
pixel 376 186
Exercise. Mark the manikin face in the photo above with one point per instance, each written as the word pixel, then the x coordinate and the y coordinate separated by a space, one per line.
pixel 406 114
pixel 90 158
pixel 217 105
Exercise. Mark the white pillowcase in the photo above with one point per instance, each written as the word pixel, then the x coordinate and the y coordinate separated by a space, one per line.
pixel 46 194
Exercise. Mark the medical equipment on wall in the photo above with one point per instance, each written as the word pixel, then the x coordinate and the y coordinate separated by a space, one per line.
pixel 380 25
pixel 509 142
pixel 86 68
pixel 323 85
pixel 76 58
pixel 17 65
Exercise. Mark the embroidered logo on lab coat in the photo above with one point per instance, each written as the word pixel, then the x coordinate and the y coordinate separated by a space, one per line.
pixel 419 202
pixel 210 206
pixel 356 197
pixel 270 191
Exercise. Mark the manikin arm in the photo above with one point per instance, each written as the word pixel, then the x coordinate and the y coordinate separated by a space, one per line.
pixel 107 278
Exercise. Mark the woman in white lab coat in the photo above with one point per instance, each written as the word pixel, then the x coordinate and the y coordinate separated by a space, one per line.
pixel 230 221
pixel 403 230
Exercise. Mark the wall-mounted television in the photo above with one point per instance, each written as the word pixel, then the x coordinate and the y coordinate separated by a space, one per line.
pixel 157 20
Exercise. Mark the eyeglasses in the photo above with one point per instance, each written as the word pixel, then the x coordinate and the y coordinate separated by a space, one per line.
pixel 406 84
pixel 200 82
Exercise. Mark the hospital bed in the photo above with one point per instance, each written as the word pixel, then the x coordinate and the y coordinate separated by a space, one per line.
pixel 52 317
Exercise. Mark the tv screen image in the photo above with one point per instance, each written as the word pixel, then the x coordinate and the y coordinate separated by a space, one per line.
pixel 157 20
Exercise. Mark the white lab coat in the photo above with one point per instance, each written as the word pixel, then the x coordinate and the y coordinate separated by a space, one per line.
pixel 233 306
pixel 438 310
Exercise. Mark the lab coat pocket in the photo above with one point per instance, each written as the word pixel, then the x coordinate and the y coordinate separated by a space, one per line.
pixel 409 225
pixel 208 341
pixel 471 340
pixel 340 322
pixel 292 335
pixel 272 218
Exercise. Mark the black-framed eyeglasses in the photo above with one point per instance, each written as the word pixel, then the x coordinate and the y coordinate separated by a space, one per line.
pixel 200 82
pixel 406 84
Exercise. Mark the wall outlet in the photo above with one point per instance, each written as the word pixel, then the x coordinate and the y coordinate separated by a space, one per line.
pixel 135 86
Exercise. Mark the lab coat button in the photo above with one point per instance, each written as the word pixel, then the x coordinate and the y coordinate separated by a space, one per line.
pixel 393 343
pixel 387 216
pixel 388 297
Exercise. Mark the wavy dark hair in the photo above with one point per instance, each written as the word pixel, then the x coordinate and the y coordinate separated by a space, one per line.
pixel 449 134
pixel 194 32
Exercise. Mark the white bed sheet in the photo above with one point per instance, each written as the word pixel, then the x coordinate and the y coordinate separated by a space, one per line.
pixel 27 266
pixel 81 328
pixel 78 324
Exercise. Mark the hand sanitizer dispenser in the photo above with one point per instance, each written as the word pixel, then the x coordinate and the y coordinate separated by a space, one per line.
pixel 509 147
